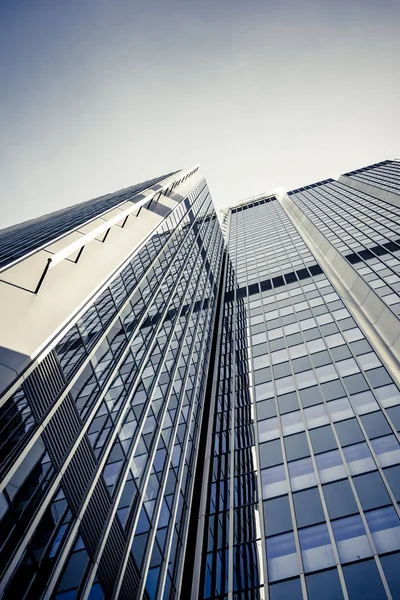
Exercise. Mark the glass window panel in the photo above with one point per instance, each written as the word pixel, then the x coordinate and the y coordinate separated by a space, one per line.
pixel 273 481
pixel 347 367
pixel 270 453
pixel 339 499
pixel 363 581
pixel 322 439
pixel 391 569
pixel 308 507
pixel 369 361
pixel 384 525
pixel 296 446
pixel 364 402
pixel 277 517
pixel 302 474
pixel 282 557
pixel 359 458
pixel 375 424
pixel 388 395
pixel 316 548
pixel 292 422
pixel 393 476
pixel 349 432
pixel 316 416
pixel 305 379
pixel 285 590
pixel 340 409
pixel 371 490
pixel 324 585
pixel 351 539
pixel 387 449
pixel 268 429
pixel 330 466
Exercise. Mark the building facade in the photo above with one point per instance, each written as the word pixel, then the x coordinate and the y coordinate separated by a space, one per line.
pixel 187 417
pixel 302 477
pixel 104 361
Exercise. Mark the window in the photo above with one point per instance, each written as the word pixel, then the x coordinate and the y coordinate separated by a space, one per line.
pixel 330 466
pixel 387 449
pixel 371 491
pixel 359 458
pixel 351 539
pixel 393 477
pixel 391 569
pixel 286 589
pixel 308 507
pixel 301 474
pixel 316 548
pixel 273 481
pixel 270 453
pixel 277 516
pixel 339 499
pixel 296 446
pixel 384 526
pixel 375 424
pixel 349 432
pixel 282 557
pixel 324 585
pixel 322 439
pixel 363 581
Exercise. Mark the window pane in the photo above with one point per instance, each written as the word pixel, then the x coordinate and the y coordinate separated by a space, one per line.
pixel 277 516
pixel 282 557
pixel 273 481
pixel 330 466
pixel 287 589
pixel 302 474
pixel 363 581
pixel 351 539
pixel 308 507
pixel 339 499
pixel 384 525
pixel 359 458
pixel 316 548
pixel 390 566
pixel 324 585
pixel 387 449
pixel 371 491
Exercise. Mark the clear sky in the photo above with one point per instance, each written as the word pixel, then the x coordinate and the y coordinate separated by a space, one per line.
pixel 99 94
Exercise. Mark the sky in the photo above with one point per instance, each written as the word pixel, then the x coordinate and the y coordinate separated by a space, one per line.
pixel 97 95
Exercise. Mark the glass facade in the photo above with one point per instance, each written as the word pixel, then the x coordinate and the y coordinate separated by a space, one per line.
pixel 99 442
pixel 304 473
pixel 216 422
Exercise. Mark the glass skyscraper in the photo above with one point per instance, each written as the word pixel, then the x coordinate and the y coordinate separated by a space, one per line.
pixel 202 408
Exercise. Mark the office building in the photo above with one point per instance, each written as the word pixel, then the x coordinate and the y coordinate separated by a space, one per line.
pixel 188 417
pixel 107 317
pixel 302 478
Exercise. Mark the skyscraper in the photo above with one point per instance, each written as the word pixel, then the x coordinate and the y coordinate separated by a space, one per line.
pixel 107 317
pixel 301 481
pixel 184 417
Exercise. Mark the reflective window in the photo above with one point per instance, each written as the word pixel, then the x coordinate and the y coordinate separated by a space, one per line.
pixel 324 585
pixel 316 548
pixel 351 539
pixel 363 581
pixel 273 481
pixel 384 525
pixel 277 515
pixel 308 507
pixel 282 557
pixel 391 569
pixel 339 499
pixel 301 474
pixel 371 490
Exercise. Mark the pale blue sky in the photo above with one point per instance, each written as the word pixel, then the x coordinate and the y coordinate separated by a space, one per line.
pixel 99 94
